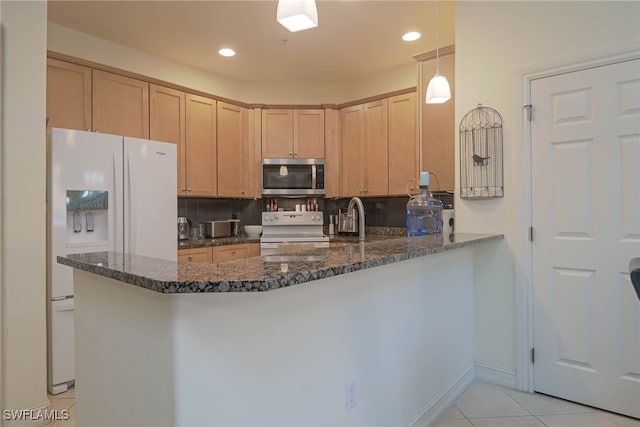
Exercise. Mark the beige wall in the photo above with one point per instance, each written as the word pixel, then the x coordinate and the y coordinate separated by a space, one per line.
pixel 494 42
pixel 23 205
pixel 81 45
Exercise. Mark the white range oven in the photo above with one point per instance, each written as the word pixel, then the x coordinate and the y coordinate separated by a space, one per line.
pixel 289 233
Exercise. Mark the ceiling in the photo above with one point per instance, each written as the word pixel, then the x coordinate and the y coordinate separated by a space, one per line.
pixel 354 37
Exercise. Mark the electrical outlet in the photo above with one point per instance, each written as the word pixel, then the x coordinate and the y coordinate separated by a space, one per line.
pixel 350 390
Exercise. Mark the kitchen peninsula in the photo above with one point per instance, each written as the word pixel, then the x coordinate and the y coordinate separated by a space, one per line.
pixel 273 340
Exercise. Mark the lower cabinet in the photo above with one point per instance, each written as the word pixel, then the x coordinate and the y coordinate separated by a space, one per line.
pixel 194 256
pixel 218 253
pixel 231 252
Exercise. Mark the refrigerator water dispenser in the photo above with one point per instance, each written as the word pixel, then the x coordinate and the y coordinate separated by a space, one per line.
pixel 87 217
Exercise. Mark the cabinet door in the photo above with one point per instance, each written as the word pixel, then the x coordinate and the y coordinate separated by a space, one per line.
pixel 167 120
pixel 403 143
pixel 438 128
pixel 200 149
pixel 68 95
pixel 255 249
pixel 376 145
pixel 352 151
pixel 308 134
pixel 233 151
pixel 231 252
pixel 120 105
pixel 194 256
pixel 277 134
pixel 332 153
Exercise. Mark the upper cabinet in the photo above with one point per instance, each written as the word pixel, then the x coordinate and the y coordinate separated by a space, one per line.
pixel 120 105
pixel 167 123
pixel 438 125
pixel 200 147
pixel 364 144
pixel 234 151
pixel 68 95
pixel 403 142
pixel 293 133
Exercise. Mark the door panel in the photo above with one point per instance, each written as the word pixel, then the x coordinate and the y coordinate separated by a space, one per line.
pixel 586 213
pixel 201 149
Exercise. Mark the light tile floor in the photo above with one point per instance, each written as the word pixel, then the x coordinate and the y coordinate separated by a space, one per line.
pixel 483 404
pixel 66 400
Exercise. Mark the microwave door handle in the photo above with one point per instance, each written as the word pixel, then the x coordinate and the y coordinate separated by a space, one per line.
pixel 313 177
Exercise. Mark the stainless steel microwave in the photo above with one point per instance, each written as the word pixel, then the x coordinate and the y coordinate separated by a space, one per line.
pixel 293 177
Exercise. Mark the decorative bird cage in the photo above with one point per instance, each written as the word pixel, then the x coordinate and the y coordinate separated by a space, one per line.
pixel 481 163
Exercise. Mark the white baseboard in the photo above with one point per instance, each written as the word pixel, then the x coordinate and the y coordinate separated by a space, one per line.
pixel 496 375
pixel 443 401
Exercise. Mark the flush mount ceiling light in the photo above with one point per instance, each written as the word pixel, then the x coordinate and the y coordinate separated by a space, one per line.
pixel 227 52
pixel 438 90
pixel 297 15
pixel 411 36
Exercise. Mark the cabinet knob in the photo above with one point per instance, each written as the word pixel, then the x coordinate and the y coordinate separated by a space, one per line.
pixel 295 154
pixel 233 252
pixel 189 189
pixel 190 257
pixel 291 153
pixel 242 192
pixel 184 188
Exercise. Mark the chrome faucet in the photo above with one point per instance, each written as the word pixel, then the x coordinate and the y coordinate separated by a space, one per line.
pixel 358 202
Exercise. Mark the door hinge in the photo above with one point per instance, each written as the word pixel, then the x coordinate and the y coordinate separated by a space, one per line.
pixel 531 234
pixel 528 109
pixel 533 355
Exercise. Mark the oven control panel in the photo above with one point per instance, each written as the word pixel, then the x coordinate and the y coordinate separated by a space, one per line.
pixel 292 218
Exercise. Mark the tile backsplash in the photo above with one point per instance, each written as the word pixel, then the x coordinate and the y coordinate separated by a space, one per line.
pixel 379 211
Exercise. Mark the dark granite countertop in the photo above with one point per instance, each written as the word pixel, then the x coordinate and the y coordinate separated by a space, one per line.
pixel 218 241
pixel 265 273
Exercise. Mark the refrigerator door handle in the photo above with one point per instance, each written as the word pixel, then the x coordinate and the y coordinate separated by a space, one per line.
pixel 130 214
pixel 113 205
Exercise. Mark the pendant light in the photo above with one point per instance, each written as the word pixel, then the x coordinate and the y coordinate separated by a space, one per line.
pixel 297 15
pixel 438 90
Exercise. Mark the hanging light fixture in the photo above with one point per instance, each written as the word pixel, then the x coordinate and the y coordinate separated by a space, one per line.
pixel 297 15
pixel 438 90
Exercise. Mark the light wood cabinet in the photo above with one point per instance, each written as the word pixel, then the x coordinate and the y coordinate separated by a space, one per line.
pixel 167 122
pixel 332 153
pixel 120 105
pixel 352 151
pixel 200 147
pixel 231 252
pixel 233 151
pixel 194 256
pixel 297 133
pixel 277 133
pixel 376 144
pixel 439 128
pixel 68 95
pixel 255 249
pixel 364 150
pixel 308 134
pixel 403 143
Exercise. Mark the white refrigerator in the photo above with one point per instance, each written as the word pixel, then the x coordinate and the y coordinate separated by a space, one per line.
pixel 104 193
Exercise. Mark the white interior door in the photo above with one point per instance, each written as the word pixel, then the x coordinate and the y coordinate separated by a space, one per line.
pixel 586 217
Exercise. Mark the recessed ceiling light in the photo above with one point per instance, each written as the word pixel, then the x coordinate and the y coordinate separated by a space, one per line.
pixel 411 36
pixel 227 52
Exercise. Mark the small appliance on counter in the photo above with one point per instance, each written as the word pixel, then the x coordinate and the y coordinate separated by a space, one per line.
pixel 235 227
pixel 218 228
pixel 183 228
pixel 348 224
